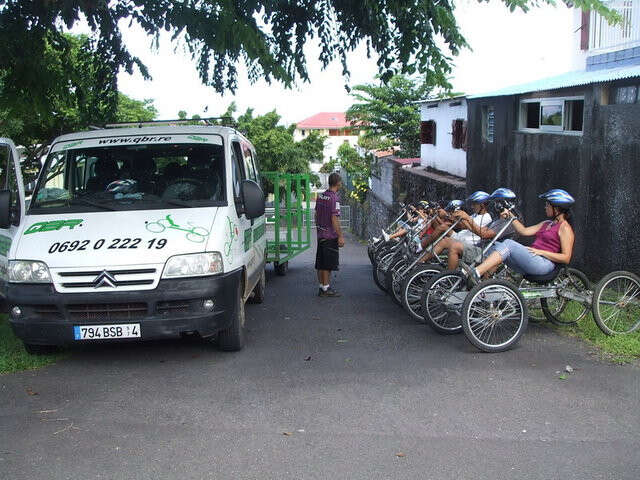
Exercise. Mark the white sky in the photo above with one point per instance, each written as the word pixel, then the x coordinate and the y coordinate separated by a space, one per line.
pixel 508 48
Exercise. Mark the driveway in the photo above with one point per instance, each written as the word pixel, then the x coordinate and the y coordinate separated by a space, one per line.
pixel 326 388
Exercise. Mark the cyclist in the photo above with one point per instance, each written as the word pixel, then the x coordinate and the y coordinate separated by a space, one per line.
pixel 420 213
pixel 553 242
pixel 456 242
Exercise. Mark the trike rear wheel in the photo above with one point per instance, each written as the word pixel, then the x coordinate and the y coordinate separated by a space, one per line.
pixel 616 303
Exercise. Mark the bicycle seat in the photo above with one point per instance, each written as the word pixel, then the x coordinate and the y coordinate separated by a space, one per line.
pixel 549 277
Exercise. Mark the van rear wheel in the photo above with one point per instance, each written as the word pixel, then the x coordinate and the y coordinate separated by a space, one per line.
pixel 232 338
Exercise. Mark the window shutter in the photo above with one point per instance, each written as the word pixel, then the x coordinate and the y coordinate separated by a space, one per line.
pixel 464 135
pixel 425 134
pixel 584 30
pixel 454 134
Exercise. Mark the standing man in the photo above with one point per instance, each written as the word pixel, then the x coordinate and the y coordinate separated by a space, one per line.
pixel 330 237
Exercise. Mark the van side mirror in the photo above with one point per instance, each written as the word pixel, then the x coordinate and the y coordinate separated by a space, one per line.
pixel 253 199
pixel 5 205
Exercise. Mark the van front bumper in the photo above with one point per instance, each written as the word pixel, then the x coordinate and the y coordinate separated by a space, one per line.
pixel 174 308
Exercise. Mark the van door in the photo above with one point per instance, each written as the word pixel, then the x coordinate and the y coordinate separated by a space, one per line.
pixel 244 225
pixel 258 238
pixel 11 180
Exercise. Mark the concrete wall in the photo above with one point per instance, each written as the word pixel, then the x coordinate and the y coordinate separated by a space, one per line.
pixel 382 185
pixel 601 168
pixel 442 156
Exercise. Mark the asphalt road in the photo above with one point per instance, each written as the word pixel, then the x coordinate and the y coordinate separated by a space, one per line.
pixel 326 388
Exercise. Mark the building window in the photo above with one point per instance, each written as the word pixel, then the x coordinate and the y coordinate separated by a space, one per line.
pixel 531 115
pixel 459 134
pixel 625 95
pixel 334 132
pixel 428 132
pixel 559 114
pixel 573 115
pixel 303 132
pixel 488 123
pixel 551 115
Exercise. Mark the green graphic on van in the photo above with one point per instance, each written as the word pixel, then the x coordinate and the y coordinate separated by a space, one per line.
pixel 73 144
pixel 53 225
pixel 5 244
pixel 193 233
pixel 258 232
pixel 231 235
pixel 247 239
pixel 197 138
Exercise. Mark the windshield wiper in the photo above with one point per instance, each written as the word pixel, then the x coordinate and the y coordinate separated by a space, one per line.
pixel 178 203
pixel 92 204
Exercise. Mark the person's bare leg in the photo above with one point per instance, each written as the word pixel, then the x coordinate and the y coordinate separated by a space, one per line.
pixel 437 250
pixel 490 263
pixel 455 252
pixel 398 233
pixel 326 275
pixel 320 277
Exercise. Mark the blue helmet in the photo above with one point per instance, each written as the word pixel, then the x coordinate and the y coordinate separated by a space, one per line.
pixel 478 197
pixel 502 194
pixel 558 197
pixel 454 205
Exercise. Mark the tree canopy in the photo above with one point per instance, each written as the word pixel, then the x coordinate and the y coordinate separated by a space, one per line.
pixel 72 97
pixel 388 113
pixel 275 146
pixel 268 36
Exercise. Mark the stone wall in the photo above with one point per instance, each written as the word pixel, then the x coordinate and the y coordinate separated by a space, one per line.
pixel 407 185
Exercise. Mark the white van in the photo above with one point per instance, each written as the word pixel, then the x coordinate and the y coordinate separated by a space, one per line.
pixel 141 233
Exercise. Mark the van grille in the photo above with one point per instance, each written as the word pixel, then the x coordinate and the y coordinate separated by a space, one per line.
pixel 47 312
pixel 105 280
pixel 107 311
pixel 174 306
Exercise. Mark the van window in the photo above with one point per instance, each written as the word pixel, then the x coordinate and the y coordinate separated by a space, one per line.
pixel 8 182
pixel 5 162
pixel 238 173
pixel 14 199
pixel 132 177
pixel 249 167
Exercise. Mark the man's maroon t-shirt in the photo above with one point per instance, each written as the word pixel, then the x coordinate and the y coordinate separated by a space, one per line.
pixel 327 205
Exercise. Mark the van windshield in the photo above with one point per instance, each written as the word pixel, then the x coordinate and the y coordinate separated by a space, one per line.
pixel 133 177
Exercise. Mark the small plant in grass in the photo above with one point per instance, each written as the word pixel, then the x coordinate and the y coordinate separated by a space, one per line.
pixel 622 348
pixel 13 356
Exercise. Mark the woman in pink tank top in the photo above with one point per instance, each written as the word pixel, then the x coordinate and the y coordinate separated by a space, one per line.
pixel 553 242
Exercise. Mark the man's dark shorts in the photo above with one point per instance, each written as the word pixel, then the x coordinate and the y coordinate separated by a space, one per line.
pixel 328 255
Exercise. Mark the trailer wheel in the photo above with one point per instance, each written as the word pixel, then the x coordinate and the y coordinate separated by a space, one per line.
pixel 232 338
pixel 281 268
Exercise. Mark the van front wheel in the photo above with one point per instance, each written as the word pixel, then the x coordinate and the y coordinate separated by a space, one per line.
pixel 232 339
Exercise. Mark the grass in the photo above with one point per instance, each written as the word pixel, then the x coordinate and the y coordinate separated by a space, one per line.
pixel 13 356
pixel 620 348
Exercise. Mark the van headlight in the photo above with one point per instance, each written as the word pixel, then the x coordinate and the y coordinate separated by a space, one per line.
pixel 28 271
pixel 193 265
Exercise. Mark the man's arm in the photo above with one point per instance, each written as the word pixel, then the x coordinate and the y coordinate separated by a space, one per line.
pixel 335 221
pixel 484 233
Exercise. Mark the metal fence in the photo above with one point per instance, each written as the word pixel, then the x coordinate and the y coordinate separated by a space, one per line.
pixel 603 36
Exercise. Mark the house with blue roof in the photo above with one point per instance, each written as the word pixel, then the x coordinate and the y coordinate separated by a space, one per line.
pixel 579 131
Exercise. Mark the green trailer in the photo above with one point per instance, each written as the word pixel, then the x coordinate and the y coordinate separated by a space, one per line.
pixel 288 225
